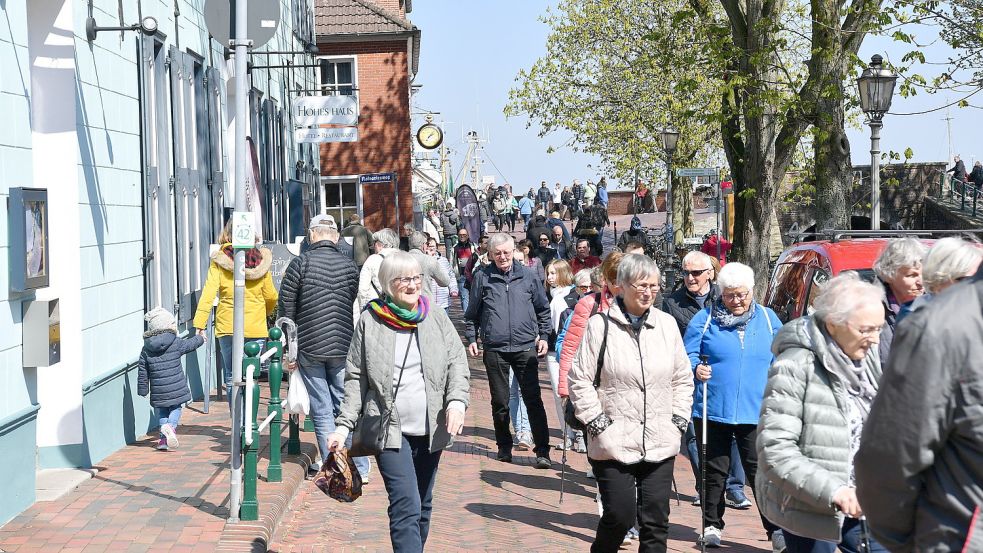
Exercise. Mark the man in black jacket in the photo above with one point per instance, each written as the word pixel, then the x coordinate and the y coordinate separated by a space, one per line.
pixel 508 303
pixel 958 170
pixel 544 197
pixel 317 292
pixel 919 469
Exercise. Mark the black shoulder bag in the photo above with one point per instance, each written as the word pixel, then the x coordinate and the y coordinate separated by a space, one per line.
pixel 568 410
pixel 371 431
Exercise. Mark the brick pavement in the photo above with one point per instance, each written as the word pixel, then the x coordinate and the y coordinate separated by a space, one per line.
pixel 481 504
pixel 148 500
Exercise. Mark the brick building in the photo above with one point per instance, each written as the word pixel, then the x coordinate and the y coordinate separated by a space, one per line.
pixel 368 49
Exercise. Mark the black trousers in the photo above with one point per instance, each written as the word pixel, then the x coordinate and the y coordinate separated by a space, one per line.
pixel 525 366
pixel 719 436
pixel 628 491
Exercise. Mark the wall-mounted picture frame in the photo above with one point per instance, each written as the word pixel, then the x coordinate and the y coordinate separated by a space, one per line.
pixel 29 229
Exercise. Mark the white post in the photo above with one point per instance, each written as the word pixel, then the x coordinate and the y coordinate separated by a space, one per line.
pixel 875 175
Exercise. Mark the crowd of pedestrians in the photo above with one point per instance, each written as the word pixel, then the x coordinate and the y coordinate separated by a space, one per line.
pixel 855 426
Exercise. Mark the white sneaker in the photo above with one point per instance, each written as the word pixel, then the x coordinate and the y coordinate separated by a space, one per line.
pixel 590 473
pixel 778 542
pixel 168 431
pixel 711 536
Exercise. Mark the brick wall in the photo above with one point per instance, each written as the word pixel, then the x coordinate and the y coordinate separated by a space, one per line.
pixel 384 132
pixel 394 6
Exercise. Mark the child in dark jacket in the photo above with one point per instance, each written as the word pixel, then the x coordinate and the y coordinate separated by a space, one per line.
pixel 161 374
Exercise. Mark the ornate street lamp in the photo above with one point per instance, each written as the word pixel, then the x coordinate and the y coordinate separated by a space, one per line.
pixel 876 86
pixel 670 138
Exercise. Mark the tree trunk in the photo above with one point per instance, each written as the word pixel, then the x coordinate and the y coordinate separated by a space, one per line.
pixel 682 209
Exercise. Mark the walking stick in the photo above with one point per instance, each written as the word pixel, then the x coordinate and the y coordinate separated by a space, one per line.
pixel 864 536
pixel 563 459
pixel 703 466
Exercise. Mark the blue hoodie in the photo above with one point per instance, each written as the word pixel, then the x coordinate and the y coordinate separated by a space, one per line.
pixel 740 369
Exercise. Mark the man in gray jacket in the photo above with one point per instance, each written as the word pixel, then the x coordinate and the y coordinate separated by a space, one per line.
pixel 431 269
pixel 508 303
pixel 919 468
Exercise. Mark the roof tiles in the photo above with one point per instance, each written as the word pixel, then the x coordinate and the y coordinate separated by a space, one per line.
pixel 356 17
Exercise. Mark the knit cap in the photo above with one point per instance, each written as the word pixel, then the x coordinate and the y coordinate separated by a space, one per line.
pixel 160 320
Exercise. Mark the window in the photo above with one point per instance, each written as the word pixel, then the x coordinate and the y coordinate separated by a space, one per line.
pixel 337 76
pixel 819 277
pixel 339 199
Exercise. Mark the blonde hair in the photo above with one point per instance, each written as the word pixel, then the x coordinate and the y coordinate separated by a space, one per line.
pixel 564 275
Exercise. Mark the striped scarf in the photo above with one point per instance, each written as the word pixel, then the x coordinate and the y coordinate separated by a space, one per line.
pixel 397 317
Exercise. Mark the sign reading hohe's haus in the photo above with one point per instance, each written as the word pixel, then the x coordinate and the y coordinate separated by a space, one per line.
pixel 309 111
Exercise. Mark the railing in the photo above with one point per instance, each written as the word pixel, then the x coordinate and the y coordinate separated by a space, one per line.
pixel 251 364
pixel 966 193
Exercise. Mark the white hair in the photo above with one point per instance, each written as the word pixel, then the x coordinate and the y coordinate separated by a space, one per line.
pixel 582 278
pixel 842 295
pixel 395 265
pixel 736 275
pixel 695 257
pixel 499 238
pixel 899 253
pixel 417 240
pixel 387 237
pixel 947 260
pixel 634 267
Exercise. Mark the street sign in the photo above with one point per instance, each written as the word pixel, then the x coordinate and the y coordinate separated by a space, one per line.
pixel 243 230
pixel 262 16
pixel 376 178
pixel 698 172
pixel 319 135
pixel 310 111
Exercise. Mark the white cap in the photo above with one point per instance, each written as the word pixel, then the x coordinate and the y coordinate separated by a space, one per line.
pixel 323 220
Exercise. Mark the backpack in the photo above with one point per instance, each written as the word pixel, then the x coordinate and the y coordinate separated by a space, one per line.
pixel 498 204
pixel 568 411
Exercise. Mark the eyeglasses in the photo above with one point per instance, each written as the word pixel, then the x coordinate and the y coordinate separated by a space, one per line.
pixel 583 288
pixel 642 288
pixel 866 331
pixel 544 239
pixel 736 296
pixel 406 280
pixel 696 273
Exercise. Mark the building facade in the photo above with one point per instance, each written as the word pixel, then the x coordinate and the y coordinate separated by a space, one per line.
pixel 368 49
pixel 126 138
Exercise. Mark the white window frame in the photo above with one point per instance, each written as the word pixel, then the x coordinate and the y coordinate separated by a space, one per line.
pixel 323 196
pixel 337 59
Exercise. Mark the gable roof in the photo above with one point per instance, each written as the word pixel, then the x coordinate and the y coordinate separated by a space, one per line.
pixel 345 20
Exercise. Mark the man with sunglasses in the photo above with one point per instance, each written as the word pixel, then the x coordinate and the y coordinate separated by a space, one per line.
pixel 700 291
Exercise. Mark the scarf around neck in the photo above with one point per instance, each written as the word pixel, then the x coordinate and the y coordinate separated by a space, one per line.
pixel 726 319
pixel 859 386
pixel 397 317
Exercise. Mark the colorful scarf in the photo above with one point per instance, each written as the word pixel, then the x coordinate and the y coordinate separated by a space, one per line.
pixel 397 317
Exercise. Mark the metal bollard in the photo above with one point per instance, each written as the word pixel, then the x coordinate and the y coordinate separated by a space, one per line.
pixel 274 473
pixel 249 510
pixel 293 440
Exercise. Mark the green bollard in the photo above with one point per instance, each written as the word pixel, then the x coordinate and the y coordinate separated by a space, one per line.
pixel 250 505
pixel 293 441
pixel 274 473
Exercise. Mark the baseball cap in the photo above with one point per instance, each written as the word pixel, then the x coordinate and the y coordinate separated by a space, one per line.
pixel 323 220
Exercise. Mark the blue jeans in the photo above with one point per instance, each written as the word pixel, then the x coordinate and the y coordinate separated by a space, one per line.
pixel 851 534
pixel 525 219
pixel 325 383
pixel 736 478
pixel 409 474
pixel 225 349
pixel 517 408
pixel 463 293
pixel 168 415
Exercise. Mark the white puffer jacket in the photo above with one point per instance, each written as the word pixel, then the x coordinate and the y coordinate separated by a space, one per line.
pixel 644 382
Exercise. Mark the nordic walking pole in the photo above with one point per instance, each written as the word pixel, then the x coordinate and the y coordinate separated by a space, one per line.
pixel 864 536
pixel 563 459
pixel 703 465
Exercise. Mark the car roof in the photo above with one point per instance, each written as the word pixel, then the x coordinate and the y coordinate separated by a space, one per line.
pixel 843 255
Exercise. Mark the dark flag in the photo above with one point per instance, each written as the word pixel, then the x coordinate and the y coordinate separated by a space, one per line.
pixel 467 204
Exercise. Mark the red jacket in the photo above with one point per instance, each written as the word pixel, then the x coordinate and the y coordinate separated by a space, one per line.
pixel 589 262
pixel 575 334
pixel 710 248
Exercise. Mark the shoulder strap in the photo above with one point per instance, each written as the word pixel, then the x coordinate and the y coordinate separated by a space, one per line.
pixel 600 353
pixel 403 366
pixel 706 325
pixel 771 330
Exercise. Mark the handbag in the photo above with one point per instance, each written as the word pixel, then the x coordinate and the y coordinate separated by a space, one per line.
pixel 569 416
pixel 371 431
pixel 298 401
pixel 338 477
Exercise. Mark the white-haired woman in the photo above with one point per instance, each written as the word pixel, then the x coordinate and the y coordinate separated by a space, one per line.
pixel 408 360
pixel 733 334
pixel 947 262
pixel 899 268
pixel 385 242
pixel 820 390
pixel 631 385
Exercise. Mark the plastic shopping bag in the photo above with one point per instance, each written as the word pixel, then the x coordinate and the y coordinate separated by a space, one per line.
pixel 298 402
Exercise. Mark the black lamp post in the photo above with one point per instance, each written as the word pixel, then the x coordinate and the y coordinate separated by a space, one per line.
pixel 876 85
pixel 670 138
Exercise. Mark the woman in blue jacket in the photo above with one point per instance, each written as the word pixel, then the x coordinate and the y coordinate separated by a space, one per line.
pixel 734 334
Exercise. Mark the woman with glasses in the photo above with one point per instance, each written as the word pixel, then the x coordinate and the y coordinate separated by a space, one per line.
pixel 733 334
pixel 632 385
pixel 820 390
pixel 407 359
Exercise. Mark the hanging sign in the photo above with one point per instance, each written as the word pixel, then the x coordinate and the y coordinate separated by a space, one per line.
pixel 310 111
pixel 326 134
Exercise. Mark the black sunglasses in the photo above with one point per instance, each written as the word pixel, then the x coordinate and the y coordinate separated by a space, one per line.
pixel 696 273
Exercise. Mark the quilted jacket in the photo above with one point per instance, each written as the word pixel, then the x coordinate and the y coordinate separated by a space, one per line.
pixel 160 373
pixel 803 439
pixel 317 293
pixel 646 379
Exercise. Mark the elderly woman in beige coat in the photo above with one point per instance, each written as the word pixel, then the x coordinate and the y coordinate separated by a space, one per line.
pixel 632 385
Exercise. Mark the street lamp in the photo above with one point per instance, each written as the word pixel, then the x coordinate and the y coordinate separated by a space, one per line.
pixel 670 138
pixel 876 86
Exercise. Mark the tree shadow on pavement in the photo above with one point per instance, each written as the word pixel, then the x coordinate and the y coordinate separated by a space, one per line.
pixel 546 482
pixel 541 519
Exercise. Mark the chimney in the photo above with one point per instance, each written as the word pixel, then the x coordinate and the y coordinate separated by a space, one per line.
pixel 392 6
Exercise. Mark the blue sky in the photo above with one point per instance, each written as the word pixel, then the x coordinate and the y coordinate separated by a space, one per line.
pixel 473 49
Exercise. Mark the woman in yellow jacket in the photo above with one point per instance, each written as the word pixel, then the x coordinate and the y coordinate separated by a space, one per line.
pixel 260 299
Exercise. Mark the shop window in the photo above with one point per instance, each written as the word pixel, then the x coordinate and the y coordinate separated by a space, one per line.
pixel 340 199
pixel 337 76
